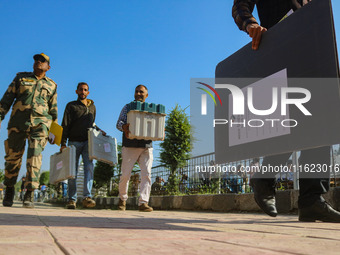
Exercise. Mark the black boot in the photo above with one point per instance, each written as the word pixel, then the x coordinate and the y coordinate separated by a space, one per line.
pixel 9 196
pixel 264 194
pixel 28 199
pixel 320 210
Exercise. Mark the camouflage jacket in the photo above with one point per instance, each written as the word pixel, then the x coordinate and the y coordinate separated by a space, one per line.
pixel 35 101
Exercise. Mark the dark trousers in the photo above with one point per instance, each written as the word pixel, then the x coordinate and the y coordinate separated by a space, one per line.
pixel 312 185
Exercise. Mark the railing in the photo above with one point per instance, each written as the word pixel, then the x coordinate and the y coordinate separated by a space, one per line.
pixel 202 175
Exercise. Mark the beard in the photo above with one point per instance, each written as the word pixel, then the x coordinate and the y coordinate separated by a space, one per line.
pixel 82 96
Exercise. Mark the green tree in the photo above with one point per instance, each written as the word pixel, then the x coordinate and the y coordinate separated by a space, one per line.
pixel 44 178
pixel 118 166
pixel 177 144
pixel 2 175
pixel 102 174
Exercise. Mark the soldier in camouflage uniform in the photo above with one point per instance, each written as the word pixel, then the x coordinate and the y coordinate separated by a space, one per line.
pixel 35 107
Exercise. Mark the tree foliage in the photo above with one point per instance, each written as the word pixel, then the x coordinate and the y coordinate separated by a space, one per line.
pixel 177 144
pixel 44 178
pixel 102 174
pixel 2 175
pixel 118 166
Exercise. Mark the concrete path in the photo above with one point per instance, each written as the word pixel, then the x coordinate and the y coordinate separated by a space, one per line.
pixel 47 229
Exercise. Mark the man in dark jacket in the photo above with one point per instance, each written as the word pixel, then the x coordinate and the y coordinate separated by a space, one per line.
pixel 312 206
pixel 79 116
pixel 270 13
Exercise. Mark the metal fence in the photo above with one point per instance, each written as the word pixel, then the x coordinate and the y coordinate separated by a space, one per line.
pixel 202 175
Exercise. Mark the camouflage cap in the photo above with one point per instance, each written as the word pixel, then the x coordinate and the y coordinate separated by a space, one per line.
pixel 42 55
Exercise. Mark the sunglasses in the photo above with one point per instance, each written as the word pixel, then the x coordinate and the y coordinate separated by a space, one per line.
pixel 41 59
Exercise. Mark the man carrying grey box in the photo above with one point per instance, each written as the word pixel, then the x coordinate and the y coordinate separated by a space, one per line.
pixel 79 116
pixel 135 150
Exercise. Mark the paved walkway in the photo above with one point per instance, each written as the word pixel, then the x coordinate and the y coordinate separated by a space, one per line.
pixel 53 230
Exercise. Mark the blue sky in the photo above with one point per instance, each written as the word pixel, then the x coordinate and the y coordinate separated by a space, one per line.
pixel 115 45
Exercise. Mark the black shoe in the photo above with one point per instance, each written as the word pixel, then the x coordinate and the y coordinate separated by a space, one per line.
pixel 9 196
pixel 28 199
pixel 320 211
pixel 264 194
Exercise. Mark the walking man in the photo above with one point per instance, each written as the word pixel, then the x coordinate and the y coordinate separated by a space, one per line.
pixel 35 107
pixel 79 116
pixel 135 150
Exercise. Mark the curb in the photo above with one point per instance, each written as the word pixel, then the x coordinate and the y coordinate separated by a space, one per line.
pixel 286 202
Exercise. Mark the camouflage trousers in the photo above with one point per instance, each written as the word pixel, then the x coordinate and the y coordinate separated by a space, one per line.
pixel 14 149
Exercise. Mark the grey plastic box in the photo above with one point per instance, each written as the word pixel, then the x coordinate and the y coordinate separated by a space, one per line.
pixel 146 125
pixel 63 165
pixel 102 148
pixel 147 121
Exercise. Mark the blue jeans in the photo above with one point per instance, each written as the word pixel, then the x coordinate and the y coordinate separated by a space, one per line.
pixel 83 150
pixel 63 189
